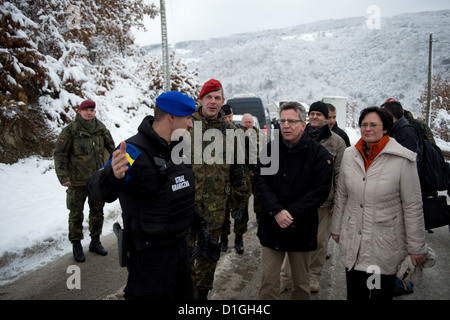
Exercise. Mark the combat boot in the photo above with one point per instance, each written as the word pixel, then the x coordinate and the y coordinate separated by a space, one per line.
pixel 224 243
pixel 96 246
pixel 239 244
pixel 77 250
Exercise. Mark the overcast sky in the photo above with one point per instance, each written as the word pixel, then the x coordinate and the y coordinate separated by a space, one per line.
pixel 204 19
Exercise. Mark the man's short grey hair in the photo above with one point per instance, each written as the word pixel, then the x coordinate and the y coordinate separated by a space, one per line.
pixel 297 107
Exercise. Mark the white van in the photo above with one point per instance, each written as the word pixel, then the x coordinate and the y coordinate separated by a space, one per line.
pixel 251 104
pixel 341 109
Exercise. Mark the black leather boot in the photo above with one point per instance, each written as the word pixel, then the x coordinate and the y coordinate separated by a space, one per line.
pixel 223 243
pixel 239 244
pixel 96 246
pixel 77 250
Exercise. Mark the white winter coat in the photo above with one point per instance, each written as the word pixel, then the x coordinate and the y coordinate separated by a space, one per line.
pixel 378 214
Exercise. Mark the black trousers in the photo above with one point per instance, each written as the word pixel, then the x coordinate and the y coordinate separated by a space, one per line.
pixel 160 273
pixel 357 288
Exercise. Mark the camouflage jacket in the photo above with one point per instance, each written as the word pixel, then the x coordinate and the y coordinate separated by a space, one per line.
pixel 215 179
pixel 424 130
pixel 254 143
pixel 78 154
pixel 336 146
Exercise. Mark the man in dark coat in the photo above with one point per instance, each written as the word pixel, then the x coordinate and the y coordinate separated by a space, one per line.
pixel 291 198
pixel 402 131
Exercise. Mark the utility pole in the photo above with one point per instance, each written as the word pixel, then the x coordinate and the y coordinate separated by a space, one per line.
pixel 430 67
pixel 165 49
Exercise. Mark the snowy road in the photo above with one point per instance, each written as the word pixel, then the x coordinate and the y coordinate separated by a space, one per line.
pixel 237 277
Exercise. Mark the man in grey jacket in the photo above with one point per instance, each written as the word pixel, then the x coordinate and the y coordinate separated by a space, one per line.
pixel 402 131
pixel 318 130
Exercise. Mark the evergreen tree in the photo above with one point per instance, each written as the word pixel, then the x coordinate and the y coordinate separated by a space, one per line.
pixel 54 54
pixel 22 72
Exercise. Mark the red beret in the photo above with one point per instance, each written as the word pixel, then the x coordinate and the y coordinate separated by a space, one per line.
pixel 86 104
pixel 389 100
pixel 210 86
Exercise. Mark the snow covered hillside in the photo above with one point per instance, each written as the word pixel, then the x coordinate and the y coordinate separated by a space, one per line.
pixel 332 57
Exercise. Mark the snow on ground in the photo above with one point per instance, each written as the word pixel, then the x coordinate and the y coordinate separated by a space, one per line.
pixel 34 218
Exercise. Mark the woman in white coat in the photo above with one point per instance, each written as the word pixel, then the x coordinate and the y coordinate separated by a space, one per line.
pixel 378 217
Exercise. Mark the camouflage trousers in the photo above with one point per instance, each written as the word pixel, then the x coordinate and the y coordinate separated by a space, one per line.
pixel 75 199
pixel 202 269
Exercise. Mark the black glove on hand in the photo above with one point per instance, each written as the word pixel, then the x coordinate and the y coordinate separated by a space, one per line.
pixel 204 237
pixel 238 214
pixel 206 247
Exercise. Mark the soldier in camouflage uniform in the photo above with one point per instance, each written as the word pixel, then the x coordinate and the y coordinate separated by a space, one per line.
pixel 82 148
pixel 214 180
pixel 254 141
pixel 261 141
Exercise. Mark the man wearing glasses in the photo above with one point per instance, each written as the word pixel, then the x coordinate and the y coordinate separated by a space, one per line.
pixel 291 199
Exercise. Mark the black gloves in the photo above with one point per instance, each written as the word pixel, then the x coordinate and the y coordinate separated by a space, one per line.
pixel 238 213
pixel 206 247
pixel 204 237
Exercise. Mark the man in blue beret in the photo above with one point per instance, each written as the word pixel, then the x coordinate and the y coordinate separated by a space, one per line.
pixel 157 198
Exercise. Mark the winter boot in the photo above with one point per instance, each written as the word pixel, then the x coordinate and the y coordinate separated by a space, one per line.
pixel 202 294
pixel 224 243
pixel 96 246
pixel 239 244
pixel 77 250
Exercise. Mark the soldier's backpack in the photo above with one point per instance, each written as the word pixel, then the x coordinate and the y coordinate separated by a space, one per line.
pixel 434 176
pixel 435 172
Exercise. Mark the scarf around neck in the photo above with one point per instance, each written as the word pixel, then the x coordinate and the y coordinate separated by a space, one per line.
pixel 316 133
pixel 89 126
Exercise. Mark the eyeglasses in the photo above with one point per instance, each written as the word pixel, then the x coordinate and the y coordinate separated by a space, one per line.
pixel 289 121
pixel 370 125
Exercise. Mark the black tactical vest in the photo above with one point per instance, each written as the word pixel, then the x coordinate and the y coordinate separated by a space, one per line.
pixel 160 202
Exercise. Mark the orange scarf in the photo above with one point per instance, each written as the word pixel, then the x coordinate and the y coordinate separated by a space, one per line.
pixel 374 151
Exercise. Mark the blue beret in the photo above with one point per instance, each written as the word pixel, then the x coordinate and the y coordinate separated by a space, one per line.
pixel 176 103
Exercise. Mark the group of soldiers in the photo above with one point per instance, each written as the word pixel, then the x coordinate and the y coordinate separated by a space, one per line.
pixel 84 146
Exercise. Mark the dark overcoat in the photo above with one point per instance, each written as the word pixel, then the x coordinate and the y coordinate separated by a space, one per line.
pixel 301 185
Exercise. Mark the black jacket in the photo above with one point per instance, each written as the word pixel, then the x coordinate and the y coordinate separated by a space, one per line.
pixel 158 202
pixel 409 137
pixel 300 186
pixel 342 134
